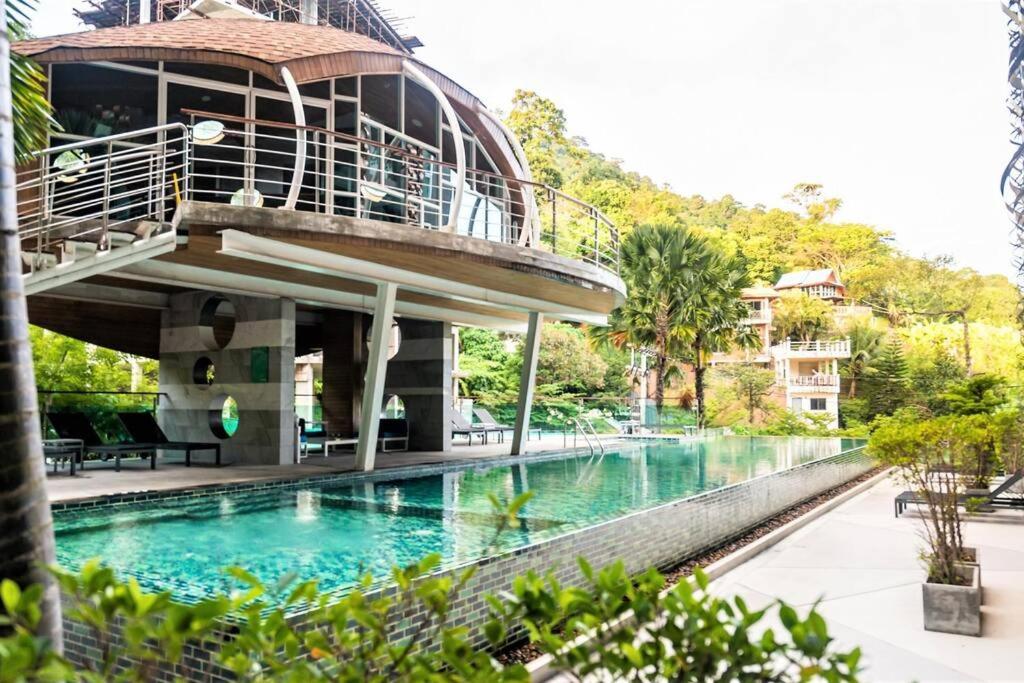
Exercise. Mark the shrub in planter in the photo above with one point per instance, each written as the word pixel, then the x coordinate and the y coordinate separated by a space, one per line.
pixel 930 456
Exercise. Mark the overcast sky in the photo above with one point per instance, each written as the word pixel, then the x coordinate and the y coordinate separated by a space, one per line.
pixel 896 106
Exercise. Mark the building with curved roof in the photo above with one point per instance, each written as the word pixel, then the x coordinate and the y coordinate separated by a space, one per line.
pixel 238 183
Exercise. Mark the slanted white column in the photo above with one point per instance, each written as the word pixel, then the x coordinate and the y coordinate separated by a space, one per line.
pixel 300 139
pixel 376 368
pixel 531 349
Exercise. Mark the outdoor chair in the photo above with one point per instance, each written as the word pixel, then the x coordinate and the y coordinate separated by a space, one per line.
pixel 487 421
pixel 143 428
pixel 393 435
pixel 75 425
pixel 59 450
pixel 994 499
pixel 462 427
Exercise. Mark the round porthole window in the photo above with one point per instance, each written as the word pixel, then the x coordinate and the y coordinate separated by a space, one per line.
pixel 224 417
pixel 394 407
pixel 394 341
pixel 203 372
pixel 217 322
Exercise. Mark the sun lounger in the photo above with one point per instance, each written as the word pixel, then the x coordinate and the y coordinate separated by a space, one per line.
pixel 487 421
pixel 58 450
pixel 77 426
pixel 462 427
pixel 995 498
pixel 143 428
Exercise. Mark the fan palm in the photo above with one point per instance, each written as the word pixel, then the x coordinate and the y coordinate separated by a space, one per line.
pixel 683 303
pixel 865 345
pixel 26 544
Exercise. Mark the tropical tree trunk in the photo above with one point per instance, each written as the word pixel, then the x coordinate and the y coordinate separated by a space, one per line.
pixel 698 379
pixel 853 386
pixel 26 542
pixel 659 385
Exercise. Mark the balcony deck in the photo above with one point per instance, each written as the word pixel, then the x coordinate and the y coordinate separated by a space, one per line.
pixel 812 349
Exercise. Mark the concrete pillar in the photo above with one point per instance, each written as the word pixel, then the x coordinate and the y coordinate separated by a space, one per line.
pixel 376 367
pixel 421 375
pixel 254 364
pixel 531 349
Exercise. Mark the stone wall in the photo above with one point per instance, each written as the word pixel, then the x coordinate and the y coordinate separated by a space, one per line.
pixel 263 332
pixel 420 374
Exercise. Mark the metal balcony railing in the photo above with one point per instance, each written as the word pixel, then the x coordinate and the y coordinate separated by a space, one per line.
pixel 392 179
pixel 837 348
pixel 821 380
pixel 92 189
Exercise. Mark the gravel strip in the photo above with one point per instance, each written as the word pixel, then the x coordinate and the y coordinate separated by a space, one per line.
pixel 527 652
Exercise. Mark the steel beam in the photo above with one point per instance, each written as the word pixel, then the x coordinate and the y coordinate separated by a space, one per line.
pixel 376 369
pixel 531 349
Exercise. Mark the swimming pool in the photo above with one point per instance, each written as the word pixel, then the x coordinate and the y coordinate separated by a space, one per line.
pixel 335 531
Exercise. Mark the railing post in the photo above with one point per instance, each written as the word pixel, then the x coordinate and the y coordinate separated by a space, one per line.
pixel 554 221
pixel 104 237
pixel 597 238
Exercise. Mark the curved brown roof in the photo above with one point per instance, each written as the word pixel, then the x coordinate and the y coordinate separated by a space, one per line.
pixel 311 53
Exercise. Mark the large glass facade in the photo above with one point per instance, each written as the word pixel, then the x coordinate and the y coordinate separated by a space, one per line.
pixel 380 147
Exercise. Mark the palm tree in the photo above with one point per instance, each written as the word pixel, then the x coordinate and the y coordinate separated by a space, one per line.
pixel 683 303
pixel 865 345
pixel 27 543
pixel 654 268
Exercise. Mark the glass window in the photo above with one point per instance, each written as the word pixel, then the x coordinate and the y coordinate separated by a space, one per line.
pixel 817 404
pixel 320 90
pixel 380 99
pixel 447 147
pixel 259 81
pixel 275 154
pixel 95 101
pixel 217 169
pixel 345 117
pixel 421 113
pixel 213 72
pixel 347 87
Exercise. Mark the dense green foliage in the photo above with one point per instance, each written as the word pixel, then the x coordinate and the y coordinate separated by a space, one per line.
pixel 704 637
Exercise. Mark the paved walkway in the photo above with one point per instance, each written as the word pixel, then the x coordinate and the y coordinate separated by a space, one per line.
pixel 863 564
pixel 99 479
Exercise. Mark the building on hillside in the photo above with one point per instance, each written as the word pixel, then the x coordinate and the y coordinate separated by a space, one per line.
pixel 241 182
pixel 820 284
pixel 807 373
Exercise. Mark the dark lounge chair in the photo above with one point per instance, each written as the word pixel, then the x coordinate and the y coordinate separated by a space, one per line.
pixel 77 426
pixel 487 421
pixel 462 427
pixel 994 499
pixel 143 428
pixel 393 434
pixel 59 450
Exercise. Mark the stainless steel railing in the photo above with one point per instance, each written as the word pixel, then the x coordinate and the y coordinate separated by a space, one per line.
pixel 87 189
pixel 391 179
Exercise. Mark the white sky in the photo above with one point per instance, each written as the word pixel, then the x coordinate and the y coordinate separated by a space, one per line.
pixel 897 106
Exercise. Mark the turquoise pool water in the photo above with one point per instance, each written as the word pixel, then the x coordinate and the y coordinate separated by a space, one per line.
pixel 335 532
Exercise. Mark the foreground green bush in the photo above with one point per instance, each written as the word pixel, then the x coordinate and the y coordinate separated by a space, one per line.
pixel 682 634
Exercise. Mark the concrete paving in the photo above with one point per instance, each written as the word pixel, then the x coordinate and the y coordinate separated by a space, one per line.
pixel 863 566
pixel 100 479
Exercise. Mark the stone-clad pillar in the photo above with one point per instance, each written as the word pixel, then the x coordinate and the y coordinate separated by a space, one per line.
pixel 421 375
pixel 255 366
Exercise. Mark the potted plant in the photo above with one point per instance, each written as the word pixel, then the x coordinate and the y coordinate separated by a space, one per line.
pixel 929 456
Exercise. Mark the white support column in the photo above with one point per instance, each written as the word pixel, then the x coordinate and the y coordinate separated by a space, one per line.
pixel 300 138
pixel 421 78
pixel 376 368
pixel 531 349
